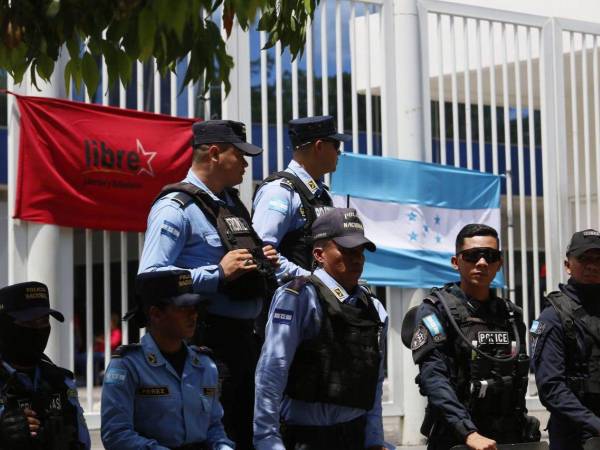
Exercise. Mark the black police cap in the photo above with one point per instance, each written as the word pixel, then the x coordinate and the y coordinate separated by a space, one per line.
pixel 343 226
pixel 223 131
pixel 309 129
pixel 582 241
pixel 27 301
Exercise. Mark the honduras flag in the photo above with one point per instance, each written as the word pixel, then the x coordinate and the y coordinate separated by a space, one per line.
pixel 413 211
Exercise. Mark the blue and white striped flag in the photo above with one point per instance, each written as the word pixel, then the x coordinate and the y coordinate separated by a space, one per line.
pixel 413 212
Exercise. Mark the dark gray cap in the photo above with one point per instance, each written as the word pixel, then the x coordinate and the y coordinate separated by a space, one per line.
pixel 223 131
pixel 343 226
pixel 27 301
pixel 582 241
pixel 309 129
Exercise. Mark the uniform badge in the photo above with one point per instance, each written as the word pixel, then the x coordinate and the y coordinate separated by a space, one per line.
pixel 312 186
pixel 419 338
pixel 72 393
pixel 195 361
pixel 537 327
pixel 151 358
pixel 115 376
pixel 283 316
pixel 435 328
pixel 338 292
pixel 153 391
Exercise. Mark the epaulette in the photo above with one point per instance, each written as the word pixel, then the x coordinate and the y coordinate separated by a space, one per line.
pixel 122 350
pixel 287 184
pixel 183 199
pixel 296 285
pixel 203 350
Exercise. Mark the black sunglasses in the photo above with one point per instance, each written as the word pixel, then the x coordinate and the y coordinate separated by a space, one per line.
pixel 472 255
pixel 337 144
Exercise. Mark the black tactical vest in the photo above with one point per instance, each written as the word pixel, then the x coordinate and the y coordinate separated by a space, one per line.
pixel 296 245
pixel 58 416
pixel 492 391
pixel 341 364
pixel 583 370
pixel 234 229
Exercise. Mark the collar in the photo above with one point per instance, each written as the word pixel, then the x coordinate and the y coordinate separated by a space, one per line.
pixel 312 185
pixel 152 353
pixel 474 305
pixel 338 291
pixel 192 178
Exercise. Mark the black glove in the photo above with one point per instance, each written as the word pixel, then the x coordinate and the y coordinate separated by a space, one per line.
pixel 14 430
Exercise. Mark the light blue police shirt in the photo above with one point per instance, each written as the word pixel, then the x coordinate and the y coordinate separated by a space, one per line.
pixel 183 238
pixel 276 212
pixel 32 386
pixel 299 318
pixel 147 405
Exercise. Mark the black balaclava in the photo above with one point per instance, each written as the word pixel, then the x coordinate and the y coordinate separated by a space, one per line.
pixel 589 294
pixel 21 345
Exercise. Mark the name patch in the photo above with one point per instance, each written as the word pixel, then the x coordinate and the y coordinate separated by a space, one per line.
pixel 153 391
pixel 493 338
pixel 283 316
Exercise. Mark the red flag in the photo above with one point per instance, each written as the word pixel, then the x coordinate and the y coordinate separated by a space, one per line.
pixel 92 166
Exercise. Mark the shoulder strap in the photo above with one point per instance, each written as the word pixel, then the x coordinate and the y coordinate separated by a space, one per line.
pixel 201 198
pixel 570 312
pixel 122 350
pixel 296 285
pixel 457 308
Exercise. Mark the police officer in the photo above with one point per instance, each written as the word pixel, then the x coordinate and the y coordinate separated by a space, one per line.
pixel 287 203
pixel 161 393
pixel 320 374
pixel 470 348
pixel 39 406
pixel 565 348
pixel 201 225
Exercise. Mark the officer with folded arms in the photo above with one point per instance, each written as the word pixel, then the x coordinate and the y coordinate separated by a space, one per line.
pixel 201 225
pixel 470 348
pixel 565 348
pixel 162 394
pixel 320 374
pixel 39 408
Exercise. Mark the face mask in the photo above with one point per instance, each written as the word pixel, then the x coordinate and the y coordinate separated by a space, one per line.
pixel 586 292
pixel 23 345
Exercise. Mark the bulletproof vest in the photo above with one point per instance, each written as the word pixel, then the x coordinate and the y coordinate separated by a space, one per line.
pixel 582 367
pixel 296 245
pixel 234 229
pixel 492 391
pixel 341 364
pixel 58 416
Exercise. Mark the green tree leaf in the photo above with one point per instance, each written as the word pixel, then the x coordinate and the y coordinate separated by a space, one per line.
pixel 89 72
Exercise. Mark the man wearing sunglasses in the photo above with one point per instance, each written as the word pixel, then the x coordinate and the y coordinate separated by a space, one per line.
pixel 287 203
pixel 565 348
pixel 470 348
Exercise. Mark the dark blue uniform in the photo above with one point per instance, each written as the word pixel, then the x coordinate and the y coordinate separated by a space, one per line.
pixel 560 367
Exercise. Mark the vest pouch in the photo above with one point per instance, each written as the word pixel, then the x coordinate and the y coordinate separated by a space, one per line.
pixel 592 383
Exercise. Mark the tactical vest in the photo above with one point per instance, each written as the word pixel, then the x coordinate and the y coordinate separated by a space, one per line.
pixel 583 370
pixel 58 416
pixel 296 245
pixel 341 364
pixel 492 391
pixel 234 229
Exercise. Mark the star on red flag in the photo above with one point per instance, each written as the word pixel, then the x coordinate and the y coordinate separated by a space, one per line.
pixel 145 159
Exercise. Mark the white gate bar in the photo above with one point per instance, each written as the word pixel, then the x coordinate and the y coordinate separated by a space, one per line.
pixel 493 112
pixel 508 172
pixel 279 105
pixel 264 105
pixel 596 121
pixel 574 129
pixel 368 98
pixel 480 122
pixel 441 96
pixel 106 288
pixel 521 167
pixel 455 122
pixel 156 79
pixel 478 12
pixel 310 109
pixel 353 68
pixel 533 176
pixel 124 289
pixel 191 88
pixel 207 105
pixel 139 70
pixel 295 112
pixel 89 321
pixel 339 71
pixel 173 93
pixel 586 132
pixel 324 55
pixel 467 77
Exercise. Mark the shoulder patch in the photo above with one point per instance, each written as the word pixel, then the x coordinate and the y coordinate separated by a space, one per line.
pixel 283 316
pixel 122 350
pixel 115 376
pixel 537 327
pixel 419 338
pixel 434 325
pixel 278 204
